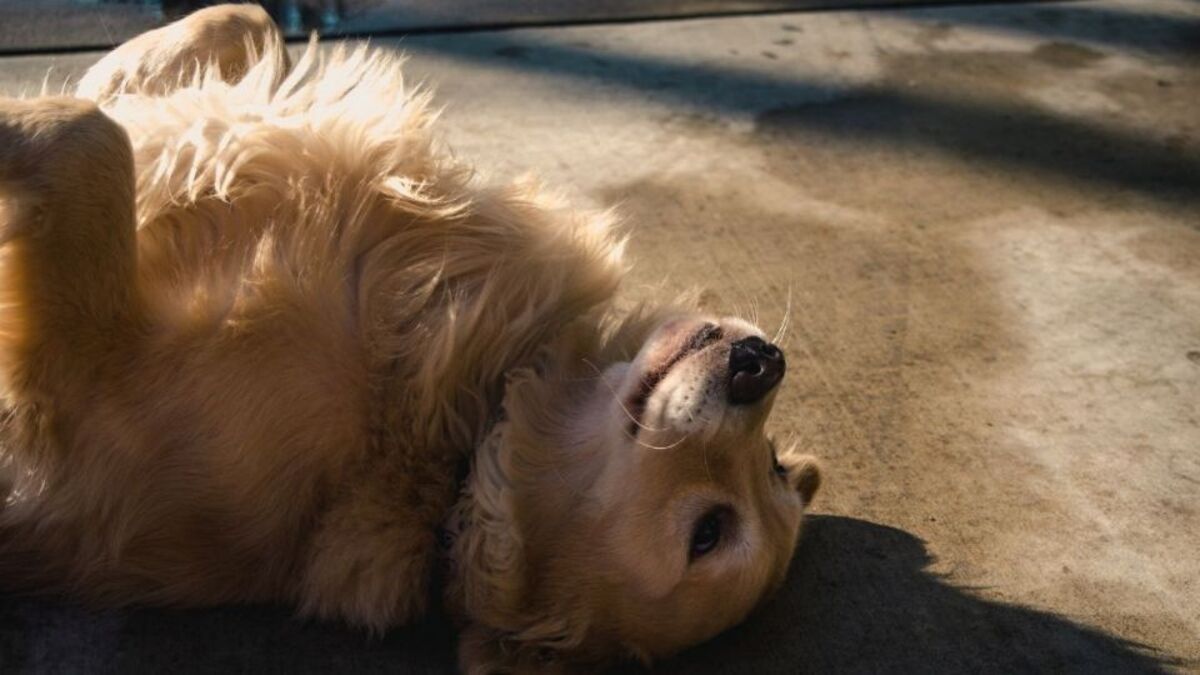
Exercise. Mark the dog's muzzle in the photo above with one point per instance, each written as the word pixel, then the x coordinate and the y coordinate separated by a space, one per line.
pixel 755 367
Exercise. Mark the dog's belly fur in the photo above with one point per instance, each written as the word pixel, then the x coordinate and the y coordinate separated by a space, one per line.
pixel 326 308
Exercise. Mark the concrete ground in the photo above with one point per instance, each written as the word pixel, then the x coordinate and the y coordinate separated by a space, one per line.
pixel 986 224
pixel 50 25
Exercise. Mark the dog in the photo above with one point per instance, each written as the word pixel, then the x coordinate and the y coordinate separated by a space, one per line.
pixel 263 339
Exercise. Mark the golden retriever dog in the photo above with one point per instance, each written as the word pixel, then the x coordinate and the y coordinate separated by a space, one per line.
pixel 263 339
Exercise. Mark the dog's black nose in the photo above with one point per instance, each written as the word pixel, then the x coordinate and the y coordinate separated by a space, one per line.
pixel 755 367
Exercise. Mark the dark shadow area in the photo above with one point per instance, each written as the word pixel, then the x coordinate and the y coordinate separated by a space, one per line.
pixel 51 636
pixel 860 599
pixel 1017 138
pixel 1120 28
pixel 990 129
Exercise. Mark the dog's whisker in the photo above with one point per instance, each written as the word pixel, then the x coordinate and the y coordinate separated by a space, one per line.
pixel 785 322
pixel 792 446
pixel 634 420
pixel 657 447
pixel 781 334
pixel 581 378
pixel 750 311
pixel 745 307
pixel 621 404
pixel 737 308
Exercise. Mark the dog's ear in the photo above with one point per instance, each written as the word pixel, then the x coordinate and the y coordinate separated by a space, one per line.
pixel 804 474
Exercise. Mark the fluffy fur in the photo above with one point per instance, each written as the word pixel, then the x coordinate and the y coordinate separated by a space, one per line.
pixel 254 318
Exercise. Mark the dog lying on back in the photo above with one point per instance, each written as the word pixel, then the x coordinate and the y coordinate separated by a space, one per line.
pixel 254 319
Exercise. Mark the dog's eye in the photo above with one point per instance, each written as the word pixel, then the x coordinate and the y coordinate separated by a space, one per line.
pixel 707 534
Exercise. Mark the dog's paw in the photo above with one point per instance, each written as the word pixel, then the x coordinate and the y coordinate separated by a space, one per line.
pixel 482 651
pixel 39 134
pixel 226 38
pixel 57 151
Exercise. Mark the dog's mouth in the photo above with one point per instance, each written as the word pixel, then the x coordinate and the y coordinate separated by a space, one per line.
pixel 705 336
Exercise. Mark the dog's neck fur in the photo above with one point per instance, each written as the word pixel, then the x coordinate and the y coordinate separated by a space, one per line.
pixel 538 450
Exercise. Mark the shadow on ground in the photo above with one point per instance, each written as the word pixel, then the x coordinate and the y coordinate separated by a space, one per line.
pixel 1143 30
pixel 51 636
pixel 977 124
pixel 860 599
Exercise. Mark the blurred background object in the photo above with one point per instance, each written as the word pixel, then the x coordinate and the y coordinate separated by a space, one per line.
pixel 56 25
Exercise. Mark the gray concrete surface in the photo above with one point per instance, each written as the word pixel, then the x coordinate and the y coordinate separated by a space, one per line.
pixel 39 25
pixel 986 224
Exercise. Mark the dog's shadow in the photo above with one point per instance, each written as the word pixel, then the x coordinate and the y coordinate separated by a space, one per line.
pixel 860 599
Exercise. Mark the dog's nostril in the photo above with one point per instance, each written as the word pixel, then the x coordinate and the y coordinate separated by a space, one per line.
pixel 755 367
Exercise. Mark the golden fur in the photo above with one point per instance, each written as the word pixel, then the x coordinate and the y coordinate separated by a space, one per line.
pixel 254 317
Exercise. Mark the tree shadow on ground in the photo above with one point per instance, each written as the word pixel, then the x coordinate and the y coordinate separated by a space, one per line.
pixel 1141 29
pixel 860 599
pixel 916 103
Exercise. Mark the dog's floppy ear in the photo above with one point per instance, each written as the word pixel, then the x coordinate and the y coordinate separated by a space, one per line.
pixel 804 474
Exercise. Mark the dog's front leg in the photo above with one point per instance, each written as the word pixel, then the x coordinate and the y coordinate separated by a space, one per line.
pixel 67 231
pixel 230 37
pixel 373 555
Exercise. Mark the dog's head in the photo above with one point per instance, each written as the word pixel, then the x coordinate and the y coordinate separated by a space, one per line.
pixel 630 503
